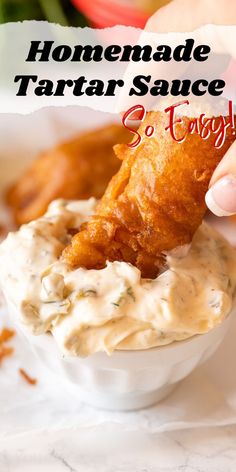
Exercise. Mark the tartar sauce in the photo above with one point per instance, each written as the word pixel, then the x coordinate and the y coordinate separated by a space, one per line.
pixel 114 308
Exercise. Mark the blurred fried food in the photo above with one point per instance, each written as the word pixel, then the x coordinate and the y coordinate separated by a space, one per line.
pixel 77 169
pixel 3 231
pixel 153 204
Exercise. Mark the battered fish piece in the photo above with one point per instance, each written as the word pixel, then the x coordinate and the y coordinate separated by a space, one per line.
pixel 77 169
pixel 153 204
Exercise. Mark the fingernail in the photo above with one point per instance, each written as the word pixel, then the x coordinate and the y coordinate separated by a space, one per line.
pixel 221 197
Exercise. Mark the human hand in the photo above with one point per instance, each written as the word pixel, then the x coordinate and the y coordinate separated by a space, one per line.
pixel 188 15
pixel 221 196
pixel 212 21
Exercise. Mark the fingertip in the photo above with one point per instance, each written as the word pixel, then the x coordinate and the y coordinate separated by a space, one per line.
pixel 221 197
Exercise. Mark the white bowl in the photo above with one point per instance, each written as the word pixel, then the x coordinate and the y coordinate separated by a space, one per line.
pixel 128 380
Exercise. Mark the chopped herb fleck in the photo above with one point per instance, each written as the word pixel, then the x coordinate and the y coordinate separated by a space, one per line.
pixel 130 292
pixel 214 304
pixel 86 293
pixel 123 295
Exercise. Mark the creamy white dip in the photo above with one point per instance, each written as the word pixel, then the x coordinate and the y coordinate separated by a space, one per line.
pixel 114 308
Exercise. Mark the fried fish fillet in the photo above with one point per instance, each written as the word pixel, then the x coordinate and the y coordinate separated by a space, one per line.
pixel 153 204
pixel 77 169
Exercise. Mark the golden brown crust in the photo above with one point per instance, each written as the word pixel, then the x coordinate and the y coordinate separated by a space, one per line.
pixel 153 204
pixel 77 169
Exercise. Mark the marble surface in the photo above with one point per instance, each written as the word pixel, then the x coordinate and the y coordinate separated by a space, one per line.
pixel 111 450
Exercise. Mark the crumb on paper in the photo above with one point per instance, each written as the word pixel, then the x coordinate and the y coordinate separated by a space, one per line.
pixel 5 351
pixel 6 334
pixel 28 379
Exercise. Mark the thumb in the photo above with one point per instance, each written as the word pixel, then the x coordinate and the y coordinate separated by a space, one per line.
pixel 221 196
